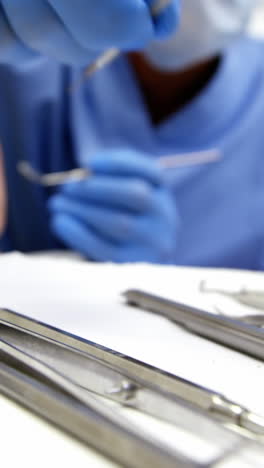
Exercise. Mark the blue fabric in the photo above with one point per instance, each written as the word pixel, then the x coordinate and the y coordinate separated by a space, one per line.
pixel 220 205
pixel 76 31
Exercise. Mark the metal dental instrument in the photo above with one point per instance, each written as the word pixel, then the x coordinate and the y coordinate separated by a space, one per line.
pixel 59 399
pixel 257 320
pixel 34 370
pixel 166 162
pixel 242 337
pixel 245 296
pixel 156 8
pixel 52 178
pixel 251 319
pixel 127 381
pixel 111 54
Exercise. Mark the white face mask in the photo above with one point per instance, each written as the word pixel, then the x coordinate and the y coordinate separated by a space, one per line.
pixel 207 28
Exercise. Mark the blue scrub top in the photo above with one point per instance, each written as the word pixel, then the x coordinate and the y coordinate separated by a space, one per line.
pixel 221 205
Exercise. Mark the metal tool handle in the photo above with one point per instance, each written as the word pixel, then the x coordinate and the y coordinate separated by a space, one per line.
pixel 234 334
pixel 88 372
pixel 146 397
pixel 57 398
pixel 122 378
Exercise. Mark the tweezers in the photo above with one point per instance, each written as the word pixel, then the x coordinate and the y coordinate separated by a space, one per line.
pixel 53 373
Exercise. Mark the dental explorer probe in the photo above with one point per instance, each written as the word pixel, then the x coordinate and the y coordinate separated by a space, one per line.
pixel 108 56
pixel 166 162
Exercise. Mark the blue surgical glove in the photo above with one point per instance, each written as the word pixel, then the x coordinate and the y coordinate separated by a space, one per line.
pixel 123 213
pixel 75 32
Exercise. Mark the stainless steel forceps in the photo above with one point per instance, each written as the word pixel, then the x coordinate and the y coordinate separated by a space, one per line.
pixel 235 334
pixel 52 373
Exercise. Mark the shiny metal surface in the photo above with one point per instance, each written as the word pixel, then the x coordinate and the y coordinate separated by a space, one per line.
pixel 22 377
pixel 53 178
pixel 165 162
pixel 234 334
pixel 60 400
pixel 123 379
pixel 257 319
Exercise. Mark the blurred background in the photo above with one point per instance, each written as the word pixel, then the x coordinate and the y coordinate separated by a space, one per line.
pixel 257 25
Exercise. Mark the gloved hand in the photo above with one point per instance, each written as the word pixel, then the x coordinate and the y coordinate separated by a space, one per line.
pixel 76 31
pixel 123 213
